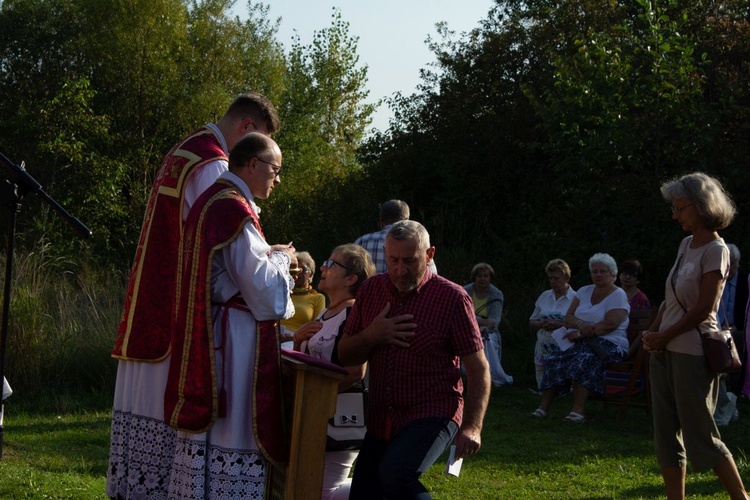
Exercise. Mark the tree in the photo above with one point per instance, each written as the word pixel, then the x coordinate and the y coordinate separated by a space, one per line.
pixel 99 90
pixel 546 131
pixel 324 117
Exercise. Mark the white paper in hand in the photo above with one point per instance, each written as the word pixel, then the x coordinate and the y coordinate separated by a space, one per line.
pixel 563 343
pixel 453 468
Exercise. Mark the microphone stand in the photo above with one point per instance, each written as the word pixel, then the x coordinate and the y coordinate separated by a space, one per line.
pixel 11 194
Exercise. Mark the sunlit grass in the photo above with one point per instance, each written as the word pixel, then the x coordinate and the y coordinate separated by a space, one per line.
pixel 53 455
pixel 603 458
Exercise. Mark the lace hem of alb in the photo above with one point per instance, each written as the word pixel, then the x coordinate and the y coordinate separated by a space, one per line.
pixel 140 457
pixel 206 471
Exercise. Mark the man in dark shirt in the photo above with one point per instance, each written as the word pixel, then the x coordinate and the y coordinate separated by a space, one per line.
pixel 415 329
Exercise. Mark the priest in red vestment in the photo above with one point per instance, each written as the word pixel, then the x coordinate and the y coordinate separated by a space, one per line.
pixel 224 386
pixel 141 443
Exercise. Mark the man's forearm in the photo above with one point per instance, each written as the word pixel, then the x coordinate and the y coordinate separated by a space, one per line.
pixel 477 398
pixel 354 350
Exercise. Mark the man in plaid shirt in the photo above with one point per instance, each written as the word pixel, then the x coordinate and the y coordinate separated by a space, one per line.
pixel 391 212
pixel 415 329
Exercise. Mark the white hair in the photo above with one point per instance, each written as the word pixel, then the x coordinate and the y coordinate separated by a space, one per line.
pixel 409 229
pixel 603 258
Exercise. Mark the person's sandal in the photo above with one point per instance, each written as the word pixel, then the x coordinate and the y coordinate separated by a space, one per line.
pixel 574 417
pixel 539 413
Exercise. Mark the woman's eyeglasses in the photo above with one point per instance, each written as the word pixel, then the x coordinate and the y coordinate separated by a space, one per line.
pixel 677 210
pixel 330 263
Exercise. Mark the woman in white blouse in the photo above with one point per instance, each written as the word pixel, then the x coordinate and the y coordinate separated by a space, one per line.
pixel 341 275
pixel 549 312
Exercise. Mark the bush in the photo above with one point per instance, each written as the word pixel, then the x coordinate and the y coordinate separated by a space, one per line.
pixel 62 322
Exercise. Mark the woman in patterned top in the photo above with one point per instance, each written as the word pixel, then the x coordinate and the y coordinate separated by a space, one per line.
pixel 341 275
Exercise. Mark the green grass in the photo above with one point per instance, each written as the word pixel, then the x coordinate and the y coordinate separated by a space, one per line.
pixel 603 458
pixel 48 454
pixel 54 456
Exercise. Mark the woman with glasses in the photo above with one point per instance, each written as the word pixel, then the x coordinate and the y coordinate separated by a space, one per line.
pixel 341 275
pixel 308 304
pixel 683 389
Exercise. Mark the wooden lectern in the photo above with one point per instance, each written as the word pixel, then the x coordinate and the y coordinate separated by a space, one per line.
pixel 310 388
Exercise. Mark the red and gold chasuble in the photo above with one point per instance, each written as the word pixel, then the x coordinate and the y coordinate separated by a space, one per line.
pixel 192 399
pixel 145 326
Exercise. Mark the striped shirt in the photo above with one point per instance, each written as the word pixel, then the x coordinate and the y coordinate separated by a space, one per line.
pixel 423 380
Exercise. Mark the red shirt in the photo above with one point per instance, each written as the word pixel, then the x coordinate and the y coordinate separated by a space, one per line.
pixel 423 380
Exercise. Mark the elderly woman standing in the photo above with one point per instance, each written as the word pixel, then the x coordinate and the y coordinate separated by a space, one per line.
pixel 549 312
pixel 683 389
pixel 488 306
pixel 596 323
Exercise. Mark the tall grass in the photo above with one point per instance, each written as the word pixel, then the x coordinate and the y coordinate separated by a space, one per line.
pixel 62 321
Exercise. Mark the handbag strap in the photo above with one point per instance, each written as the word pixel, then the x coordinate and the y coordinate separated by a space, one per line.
pixel 484 306
pixel 674 291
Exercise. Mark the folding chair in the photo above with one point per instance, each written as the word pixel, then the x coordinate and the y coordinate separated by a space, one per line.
pixel 627 378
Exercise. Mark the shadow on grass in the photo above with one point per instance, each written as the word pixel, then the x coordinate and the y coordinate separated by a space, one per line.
pixel 603 458
pixel 77 443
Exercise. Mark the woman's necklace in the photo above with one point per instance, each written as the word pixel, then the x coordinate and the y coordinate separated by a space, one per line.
pixel 301 290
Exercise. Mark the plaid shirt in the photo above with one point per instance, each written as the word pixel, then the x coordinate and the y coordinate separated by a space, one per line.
pixel 374 243
pixel 423 380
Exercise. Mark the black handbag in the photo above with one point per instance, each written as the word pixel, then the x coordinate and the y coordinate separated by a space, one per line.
pixel 721 351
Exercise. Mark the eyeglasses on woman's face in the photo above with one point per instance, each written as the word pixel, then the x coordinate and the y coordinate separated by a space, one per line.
pixel 678 209
pixel 331 262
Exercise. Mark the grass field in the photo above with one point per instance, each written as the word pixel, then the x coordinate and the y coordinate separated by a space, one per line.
pixel 53 454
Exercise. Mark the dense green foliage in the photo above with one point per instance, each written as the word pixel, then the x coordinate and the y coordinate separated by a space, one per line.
pixel 545 132
pixel 96 92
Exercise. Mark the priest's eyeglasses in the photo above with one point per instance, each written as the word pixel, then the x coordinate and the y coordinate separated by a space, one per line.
pixel 276 168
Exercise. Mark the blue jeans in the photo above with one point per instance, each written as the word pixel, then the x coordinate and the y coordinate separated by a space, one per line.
pixel 391 469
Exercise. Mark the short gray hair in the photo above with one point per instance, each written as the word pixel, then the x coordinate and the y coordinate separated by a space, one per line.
pixel 410 229
pixel 305 259
pixel 713 203
pixel 392 211
pixel 358 262
pixel 603 258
